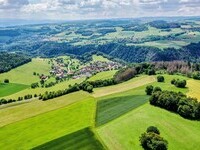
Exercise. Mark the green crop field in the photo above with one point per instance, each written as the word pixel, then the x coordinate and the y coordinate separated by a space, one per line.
pixel 11 88
pixel 103 75
pixel 80 140
pixel 24 73
pixel 124 132
pixel 43 128
pixel 112 108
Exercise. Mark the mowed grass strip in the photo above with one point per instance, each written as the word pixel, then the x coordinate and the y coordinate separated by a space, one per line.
pixel 43 128
pixel 112 108
pixel 131 84
pixel 124 132
pixel 79 140
pixel 103 75
pixel 11 88
pixel 194 89
pixel 11 114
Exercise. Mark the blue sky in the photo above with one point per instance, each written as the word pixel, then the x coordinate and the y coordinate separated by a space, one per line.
pixel 96 9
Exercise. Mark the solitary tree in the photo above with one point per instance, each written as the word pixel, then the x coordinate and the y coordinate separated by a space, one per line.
pixel 6 81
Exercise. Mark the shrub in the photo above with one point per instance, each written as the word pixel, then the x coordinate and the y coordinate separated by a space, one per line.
pixel 153 141
pixel 153 129
pixel 149 90
pixel 6 81
pixel 151 72
pixel 160 79
pixel 179 83
pixel 156 89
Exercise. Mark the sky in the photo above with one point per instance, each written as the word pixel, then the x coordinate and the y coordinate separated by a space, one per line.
pixel 96 9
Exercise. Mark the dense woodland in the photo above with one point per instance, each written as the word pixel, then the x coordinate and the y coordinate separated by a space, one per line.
pixel 9 61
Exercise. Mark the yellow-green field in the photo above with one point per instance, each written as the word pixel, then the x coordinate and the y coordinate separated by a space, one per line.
pixel 133 83
pixel 194 89
pixel 103 75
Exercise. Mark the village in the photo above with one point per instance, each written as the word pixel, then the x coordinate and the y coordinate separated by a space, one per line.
pixel 61 70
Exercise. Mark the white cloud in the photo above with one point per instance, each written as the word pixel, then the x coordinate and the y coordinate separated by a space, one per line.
pixel 85 9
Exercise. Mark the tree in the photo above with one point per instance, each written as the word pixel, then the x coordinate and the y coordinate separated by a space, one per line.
pixel 160 79
pixel 153 129
pixel 6 81
pixel 149 90
pixel 153 141
pixel 156 89
pixel 89 88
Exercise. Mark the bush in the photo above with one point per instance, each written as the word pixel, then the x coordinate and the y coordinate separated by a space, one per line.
pixel 156 89
pixel 153 129
pixel 160 79
pixel 6 81
pixel 153 141
pixel 149 90
pixel 151 72
pixel 179 83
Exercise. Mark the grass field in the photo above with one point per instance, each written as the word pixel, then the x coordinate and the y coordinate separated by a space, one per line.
pixel 103 75
pixel 133 83
pixel 99 58
pixel 80 140
pixel 60 86
pixel 43 128
pixel 24 73
pixel 21 111
pixel 11 88
pixel 194 89
pixel 123 133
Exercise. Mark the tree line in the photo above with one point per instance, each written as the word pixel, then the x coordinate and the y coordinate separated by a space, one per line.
pixel 9 61
pixel 177 102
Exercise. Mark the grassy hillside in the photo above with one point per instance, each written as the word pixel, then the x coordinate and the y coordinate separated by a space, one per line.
pixel 124 132
pixel 11 88
pixel 80 140
pixel 59 86
pixel 103 75
pixel 21 111
pixel 24 74
pixel 43 128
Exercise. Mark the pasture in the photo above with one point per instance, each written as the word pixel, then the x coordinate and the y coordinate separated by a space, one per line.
pixel 124 132
pixel 46 127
